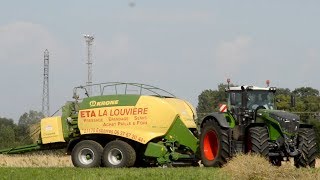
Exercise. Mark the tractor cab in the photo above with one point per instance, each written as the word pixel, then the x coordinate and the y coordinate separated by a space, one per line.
pixel 245 101
pixel 251 97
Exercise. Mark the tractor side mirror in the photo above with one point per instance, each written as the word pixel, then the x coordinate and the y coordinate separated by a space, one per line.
pixel 293 101
pixel 233 99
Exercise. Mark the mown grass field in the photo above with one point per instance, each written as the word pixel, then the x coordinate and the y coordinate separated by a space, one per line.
pixel 60 167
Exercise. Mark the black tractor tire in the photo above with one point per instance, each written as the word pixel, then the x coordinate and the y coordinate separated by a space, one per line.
pixel 308 147
pixel 257 141
pixel 214 144
pixel 87 154
pixel 118 154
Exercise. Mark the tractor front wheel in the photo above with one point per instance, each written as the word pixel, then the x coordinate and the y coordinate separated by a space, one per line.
pixel 118 154
pixel 214 144
pixel 257 141
pixel 87 154
pixel 308 147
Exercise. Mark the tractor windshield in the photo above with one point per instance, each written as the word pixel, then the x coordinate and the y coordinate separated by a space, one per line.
pixel 260 98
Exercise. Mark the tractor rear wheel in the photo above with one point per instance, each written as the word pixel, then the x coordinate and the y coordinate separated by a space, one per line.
pixel 118 154
pixel 257 141
pixel 308 148
pixel 214 144
pixel 87 154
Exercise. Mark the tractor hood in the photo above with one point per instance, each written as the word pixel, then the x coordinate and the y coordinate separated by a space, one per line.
pixel 288 122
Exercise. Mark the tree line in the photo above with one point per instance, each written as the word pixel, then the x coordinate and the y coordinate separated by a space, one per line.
pixel 12 134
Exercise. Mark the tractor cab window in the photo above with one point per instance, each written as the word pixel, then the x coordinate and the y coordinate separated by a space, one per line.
pixel 237 96
pixel 260 99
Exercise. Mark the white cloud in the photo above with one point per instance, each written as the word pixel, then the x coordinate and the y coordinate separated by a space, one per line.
pixel 117 47
pixel 310 65
pixel 154 16
pixel 230 56
pixel 25 42
pixel 313 56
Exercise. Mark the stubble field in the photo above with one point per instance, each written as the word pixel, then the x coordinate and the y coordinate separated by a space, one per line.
pixel 57 166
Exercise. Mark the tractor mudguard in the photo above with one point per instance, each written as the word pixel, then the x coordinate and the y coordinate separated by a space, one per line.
pixel 219 117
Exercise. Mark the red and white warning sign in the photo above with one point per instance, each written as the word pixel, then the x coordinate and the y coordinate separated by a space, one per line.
pixel 223 108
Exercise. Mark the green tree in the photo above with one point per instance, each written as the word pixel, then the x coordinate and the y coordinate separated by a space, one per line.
pixel 30 118
pixel 209 100
pixel 206 101
pixel 7 136
pixel 7 132
pixel 305 92
pixel 283 91
pixel 7 122
pixel 283 102
pixel 25 121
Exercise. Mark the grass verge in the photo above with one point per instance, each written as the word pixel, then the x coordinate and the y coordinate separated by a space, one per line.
pixel 106 173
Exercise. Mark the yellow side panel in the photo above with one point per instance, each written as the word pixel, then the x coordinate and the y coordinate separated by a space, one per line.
pixel 51 130
pixel 185 111
pixel 151 117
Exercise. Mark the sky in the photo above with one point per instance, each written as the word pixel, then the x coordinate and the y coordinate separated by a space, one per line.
pixel 183 47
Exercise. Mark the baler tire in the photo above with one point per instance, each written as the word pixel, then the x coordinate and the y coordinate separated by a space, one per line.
pixel 308 147
pixel 87 154
pixel 258 141
pixel 118 154
pixel 214 144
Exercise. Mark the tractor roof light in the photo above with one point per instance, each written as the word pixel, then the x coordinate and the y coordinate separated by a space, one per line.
pixel 272 89
pixel 268 83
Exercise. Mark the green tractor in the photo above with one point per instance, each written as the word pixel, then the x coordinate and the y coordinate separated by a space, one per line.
pixel 251 124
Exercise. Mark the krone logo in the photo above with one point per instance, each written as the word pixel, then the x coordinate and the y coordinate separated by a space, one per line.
pixel 103 103
pixel 93 103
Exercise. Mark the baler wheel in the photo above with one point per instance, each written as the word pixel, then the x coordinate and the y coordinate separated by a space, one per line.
pixel 87 154
pixel 118 154
pixel 214 144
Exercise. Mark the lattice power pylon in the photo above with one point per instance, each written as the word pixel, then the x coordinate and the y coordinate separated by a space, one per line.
pixel 45 95
pixel 89 39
